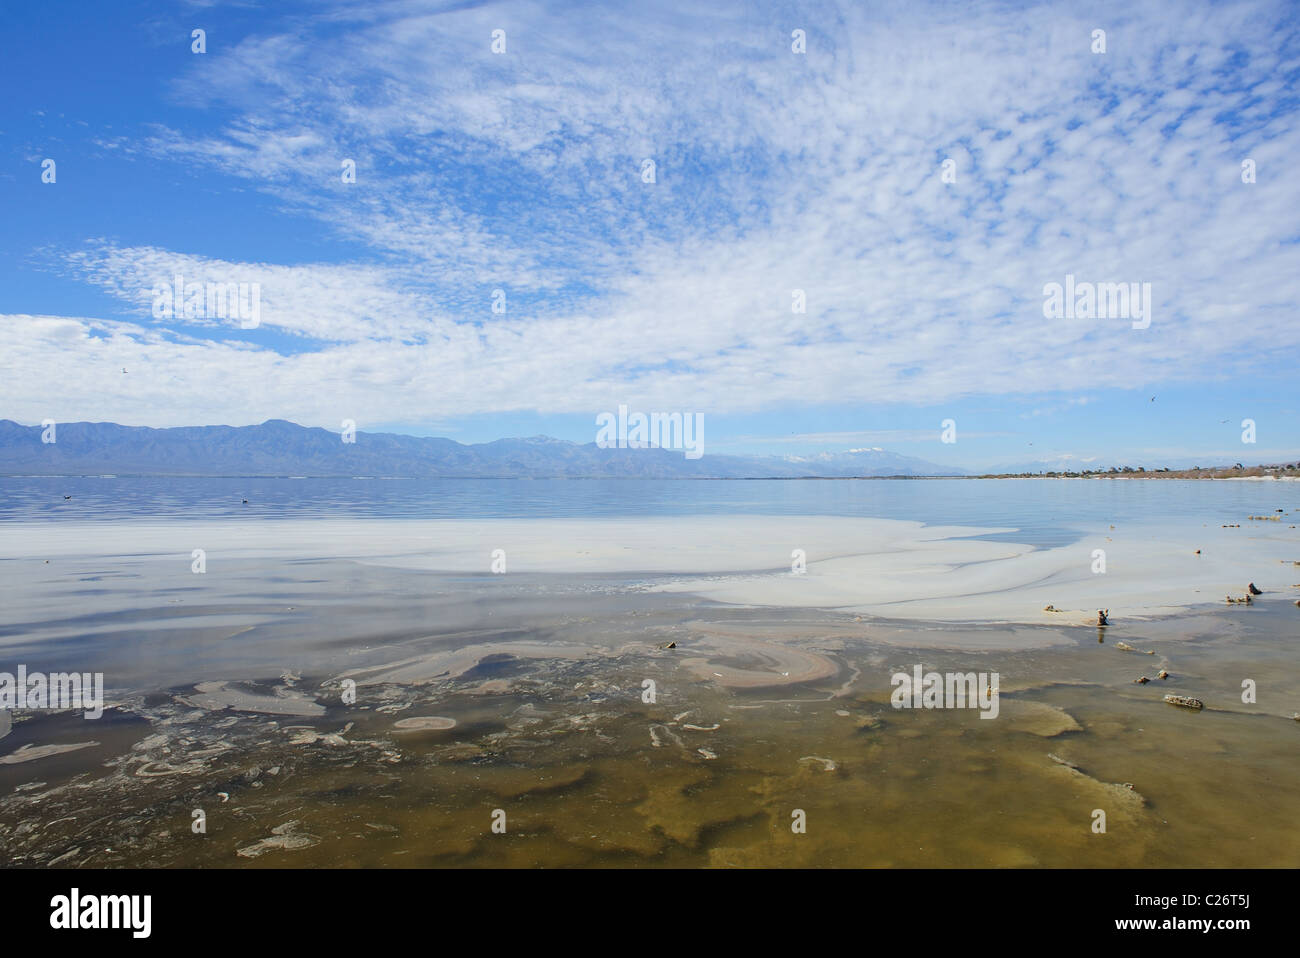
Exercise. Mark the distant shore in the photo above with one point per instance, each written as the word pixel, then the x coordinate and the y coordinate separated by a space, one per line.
pixel 1281 473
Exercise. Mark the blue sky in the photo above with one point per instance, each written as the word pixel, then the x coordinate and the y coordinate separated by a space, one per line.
pixel 774 171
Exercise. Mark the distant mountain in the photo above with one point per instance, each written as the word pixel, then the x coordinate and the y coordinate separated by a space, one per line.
pixel 280 448
pixel 864 462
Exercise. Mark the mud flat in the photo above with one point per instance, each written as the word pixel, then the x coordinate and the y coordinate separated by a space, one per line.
pixel 453 663
pixel 216 696
pixel 424 723
pixel 895 569
pixel 30 753
pixel 934 576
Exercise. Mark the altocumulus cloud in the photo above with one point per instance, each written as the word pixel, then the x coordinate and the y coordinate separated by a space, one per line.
pixel 774 172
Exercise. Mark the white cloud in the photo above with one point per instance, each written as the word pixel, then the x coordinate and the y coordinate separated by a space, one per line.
pixel 776 172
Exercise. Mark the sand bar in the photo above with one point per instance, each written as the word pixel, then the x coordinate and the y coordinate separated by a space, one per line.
pixel 878 567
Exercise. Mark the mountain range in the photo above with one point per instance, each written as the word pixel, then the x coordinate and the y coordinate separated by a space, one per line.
pixel 280 448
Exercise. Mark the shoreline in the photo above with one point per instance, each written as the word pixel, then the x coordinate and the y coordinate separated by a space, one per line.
pixel 1004 475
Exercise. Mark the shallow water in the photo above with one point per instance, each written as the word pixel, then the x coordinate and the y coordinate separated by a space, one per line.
pixel 564 746
pixel 1043 512
pixel 543 676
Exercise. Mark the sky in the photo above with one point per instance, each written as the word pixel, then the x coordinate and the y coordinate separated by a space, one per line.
pixel 623 204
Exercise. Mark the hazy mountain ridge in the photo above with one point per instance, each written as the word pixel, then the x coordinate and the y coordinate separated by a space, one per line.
pixel 280 448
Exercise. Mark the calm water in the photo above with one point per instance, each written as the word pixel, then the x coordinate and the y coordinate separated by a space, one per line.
pixel 589 773
pixel 1046 512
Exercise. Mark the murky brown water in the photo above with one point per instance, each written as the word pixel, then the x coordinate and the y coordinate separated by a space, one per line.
pixel 588 774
